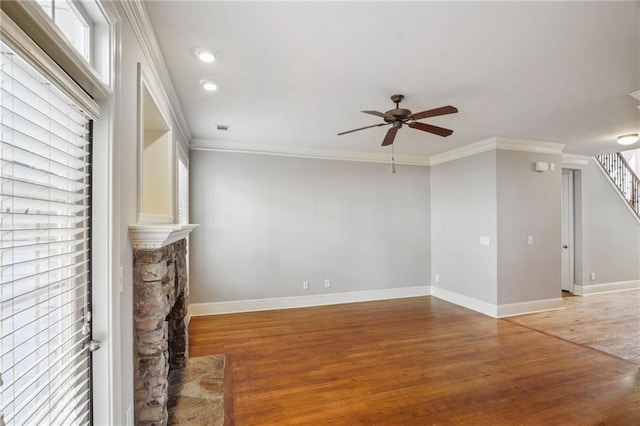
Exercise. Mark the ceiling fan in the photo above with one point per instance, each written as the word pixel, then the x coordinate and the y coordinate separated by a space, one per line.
pixel 399 116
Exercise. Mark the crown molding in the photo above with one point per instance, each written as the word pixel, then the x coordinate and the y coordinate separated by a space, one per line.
pixel 304 152
pixel 464 151
pixel 526 145
pixel 496 143
pixel 139 19
pixel 490 144
pixel 571 161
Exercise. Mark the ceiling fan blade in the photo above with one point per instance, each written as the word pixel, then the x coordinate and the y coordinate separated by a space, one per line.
pixel 391 135
pixel 362 128
pixel 434 112
pixel 440 131
pixel 378 114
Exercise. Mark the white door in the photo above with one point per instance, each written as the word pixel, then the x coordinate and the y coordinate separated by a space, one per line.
pixel 567 231
pixel 45 364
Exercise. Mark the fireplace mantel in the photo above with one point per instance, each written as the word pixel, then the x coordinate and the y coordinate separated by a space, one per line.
pixel 155 236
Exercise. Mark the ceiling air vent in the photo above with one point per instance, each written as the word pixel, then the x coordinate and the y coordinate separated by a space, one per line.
pixel 223 127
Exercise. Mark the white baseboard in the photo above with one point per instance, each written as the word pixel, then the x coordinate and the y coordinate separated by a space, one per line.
pixel 521 308
pixel 486 308
pixel 237 306
pixel 497 311
pixel 586 290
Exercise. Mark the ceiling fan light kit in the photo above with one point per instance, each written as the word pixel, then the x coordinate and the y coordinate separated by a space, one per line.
pixel 397 117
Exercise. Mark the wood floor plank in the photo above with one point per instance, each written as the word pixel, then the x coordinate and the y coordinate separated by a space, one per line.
pixel 609 322
pixel 411 362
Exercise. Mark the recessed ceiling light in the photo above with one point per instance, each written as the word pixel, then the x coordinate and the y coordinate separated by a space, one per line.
pixel 209 85
pixel 205 55
pixel 628 139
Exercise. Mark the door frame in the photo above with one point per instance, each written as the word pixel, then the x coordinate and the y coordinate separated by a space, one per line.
pixel 568 201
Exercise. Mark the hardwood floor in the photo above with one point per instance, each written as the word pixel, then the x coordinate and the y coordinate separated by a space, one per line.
pixel 608 322
pixel 412 361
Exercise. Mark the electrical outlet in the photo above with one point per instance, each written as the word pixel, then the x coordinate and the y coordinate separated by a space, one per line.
pixel 327 283
pixel 305 285
pixel 530 240
pixel 437 278
pixel 593 276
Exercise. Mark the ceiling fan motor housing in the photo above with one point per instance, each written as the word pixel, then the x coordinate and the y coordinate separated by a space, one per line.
pixel 398 114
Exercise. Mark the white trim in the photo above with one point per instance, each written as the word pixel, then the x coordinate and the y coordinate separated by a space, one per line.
pixel 183 152
pixel 635 94
pixel 570 161
pixel 303 152
pixel 533 306
pixel 464 151
pixel 253 305
pixel 18 40
pixel 483 307
pixel 570 228
pixel 495 143
pixel 588 290
pixel 107 286
pixel 139 19
pixel 525 145
pixel 617 191
pixel 379 157
pixel 47 35
pixel 157 236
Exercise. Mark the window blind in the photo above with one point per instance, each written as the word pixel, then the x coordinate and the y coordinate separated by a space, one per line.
pixel 183 192
pixel 44 250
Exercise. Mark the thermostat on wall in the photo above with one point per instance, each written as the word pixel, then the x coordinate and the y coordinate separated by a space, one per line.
pixel 542 166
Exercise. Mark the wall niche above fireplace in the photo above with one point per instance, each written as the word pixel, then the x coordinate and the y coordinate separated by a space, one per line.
pixel 156 158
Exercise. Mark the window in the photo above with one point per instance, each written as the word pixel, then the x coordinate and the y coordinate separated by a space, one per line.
pixel 84 24
pixel 183 192
pixel 45 248
pixel 68 17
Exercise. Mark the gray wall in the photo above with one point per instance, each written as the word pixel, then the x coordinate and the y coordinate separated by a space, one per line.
pixel 463 208
pixel 610 234
pixel 268 223
pixel 529 204
pixel 498 195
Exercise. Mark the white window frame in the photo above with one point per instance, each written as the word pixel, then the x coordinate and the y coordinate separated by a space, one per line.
pixel 60 54
pixel 183 158
pixel 84 19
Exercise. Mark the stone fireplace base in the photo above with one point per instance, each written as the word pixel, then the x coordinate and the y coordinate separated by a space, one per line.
pixel 196 393
pixel 160 297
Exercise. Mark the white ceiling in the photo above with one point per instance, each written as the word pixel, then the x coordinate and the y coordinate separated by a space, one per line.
pixel 294 74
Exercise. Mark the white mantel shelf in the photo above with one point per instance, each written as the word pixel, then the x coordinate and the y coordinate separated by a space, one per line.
pixel 155 236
